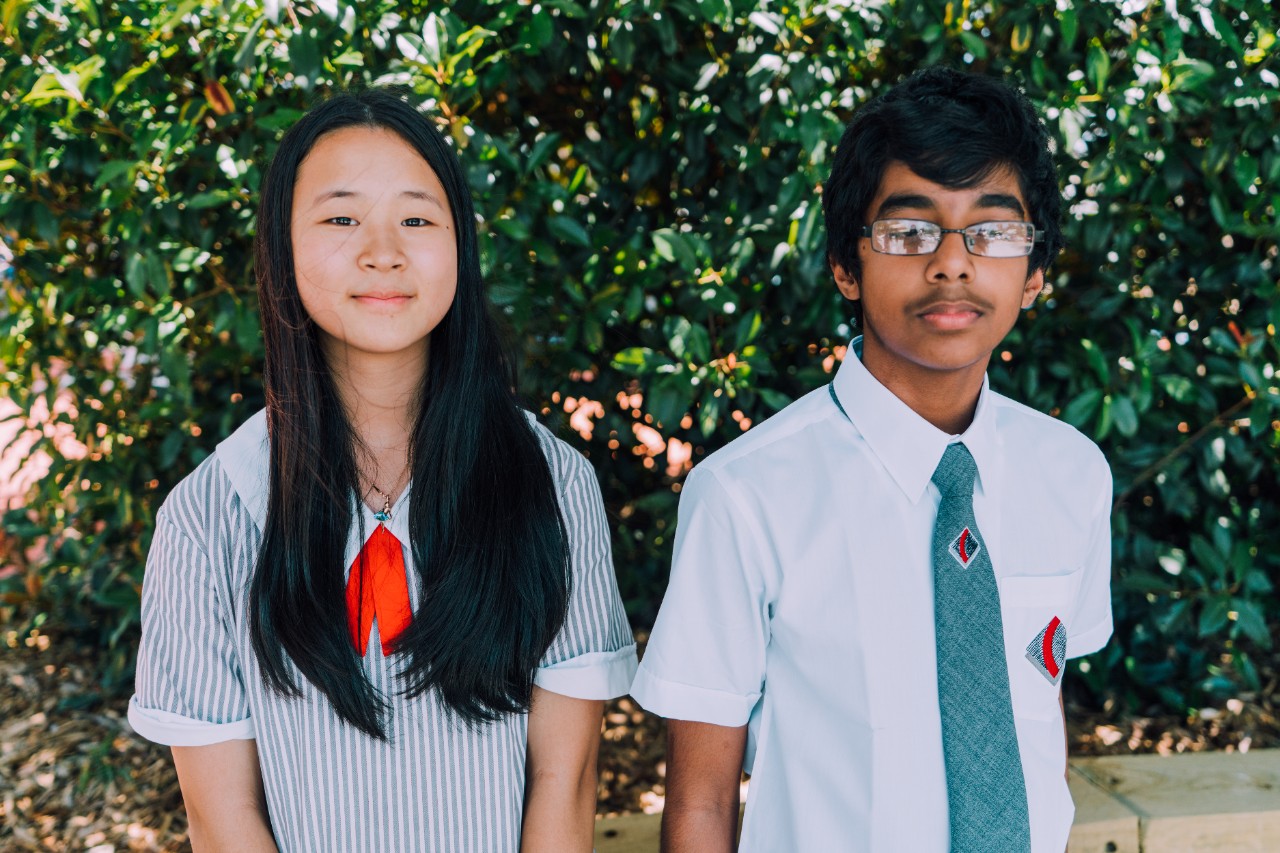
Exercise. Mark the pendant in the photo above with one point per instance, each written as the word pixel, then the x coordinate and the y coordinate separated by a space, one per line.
pixel 384 514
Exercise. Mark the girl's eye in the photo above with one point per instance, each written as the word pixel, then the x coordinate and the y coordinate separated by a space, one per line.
pixel 341 220
pixel 415 221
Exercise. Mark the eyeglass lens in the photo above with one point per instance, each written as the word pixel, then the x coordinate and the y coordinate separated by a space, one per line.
pixel 918 237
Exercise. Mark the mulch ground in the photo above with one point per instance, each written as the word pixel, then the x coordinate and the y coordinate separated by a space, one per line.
pixel 74 776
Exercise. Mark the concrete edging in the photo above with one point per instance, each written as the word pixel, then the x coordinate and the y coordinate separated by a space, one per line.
pixel 1203 802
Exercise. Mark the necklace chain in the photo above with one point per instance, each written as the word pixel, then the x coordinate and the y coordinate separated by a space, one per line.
pixel 385 513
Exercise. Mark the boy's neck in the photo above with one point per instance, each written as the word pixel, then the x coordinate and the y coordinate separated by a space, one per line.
pixel 947 399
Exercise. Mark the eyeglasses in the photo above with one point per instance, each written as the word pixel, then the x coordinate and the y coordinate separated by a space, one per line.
pixel 1008 239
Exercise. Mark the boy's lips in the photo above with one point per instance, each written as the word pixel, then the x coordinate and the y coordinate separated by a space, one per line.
pixel 950 315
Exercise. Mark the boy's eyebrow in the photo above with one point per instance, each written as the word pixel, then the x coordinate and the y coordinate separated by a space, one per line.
pixel 1002 201
pixel 913 201
pixel 417 195
pixel 904 201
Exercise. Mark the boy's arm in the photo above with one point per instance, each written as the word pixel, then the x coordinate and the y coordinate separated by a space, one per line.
pixel 704 770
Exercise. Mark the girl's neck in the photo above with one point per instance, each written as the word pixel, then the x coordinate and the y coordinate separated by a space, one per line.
pixel 380 393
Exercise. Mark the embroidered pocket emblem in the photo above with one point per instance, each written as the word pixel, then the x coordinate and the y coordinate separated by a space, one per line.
pixel 965 547
pixel 1048 651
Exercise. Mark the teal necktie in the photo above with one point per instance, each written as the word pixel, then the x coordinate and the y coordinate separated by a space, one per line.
pixel 985 789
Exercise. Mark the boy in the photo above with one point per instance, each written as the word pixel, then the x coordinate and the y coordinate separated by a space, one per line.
pixel 874 593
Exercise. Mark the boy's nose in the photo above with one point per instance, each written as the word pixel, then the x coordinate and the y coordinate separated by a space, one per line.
pixel 951 261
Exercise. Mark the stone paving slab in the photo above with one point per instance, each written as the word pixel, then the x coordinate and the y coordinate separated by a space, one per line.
pixel 1207 802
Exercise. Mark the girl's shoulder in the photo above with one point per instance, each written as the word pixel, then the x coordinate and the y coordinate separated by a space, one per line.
pixel 568 466
pixel 229 483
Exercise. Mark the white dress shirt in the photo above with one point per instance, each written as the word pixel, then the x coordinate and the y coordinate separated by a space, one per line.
pixel 801 604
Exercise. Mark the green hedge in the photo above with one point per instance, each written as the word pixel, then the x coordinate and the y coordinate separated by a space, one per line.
pixel 649 177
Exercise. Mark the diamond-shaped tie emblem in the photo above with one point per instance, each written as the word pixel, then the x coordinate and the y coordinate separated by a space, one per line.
pixel 965 547
pixel 1048 651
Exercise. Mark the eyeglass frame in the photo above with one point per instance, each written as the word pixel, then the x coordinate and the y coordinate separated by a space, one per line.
pixel 1037 236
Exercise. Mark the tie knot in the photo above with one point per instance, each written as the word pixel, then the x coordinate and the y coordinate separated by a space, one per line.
pixel 956 472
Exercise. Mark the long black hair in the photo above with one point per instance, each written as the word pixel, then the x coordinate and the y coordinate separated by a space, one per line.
pixel 487 536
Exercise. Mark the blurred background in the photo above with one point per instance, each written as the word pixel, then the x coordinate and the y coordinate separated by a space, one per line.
pixel 648 178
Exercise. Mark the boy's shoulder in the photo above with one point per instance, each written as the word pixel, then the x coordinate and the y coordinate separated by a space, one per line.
pixel 1016 421
pixel 782 438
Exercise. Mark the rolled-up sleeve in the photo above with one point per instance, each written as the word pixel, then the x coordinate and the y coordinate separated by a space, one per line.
pixel 705 660
pixel 594 655
pixel 189 689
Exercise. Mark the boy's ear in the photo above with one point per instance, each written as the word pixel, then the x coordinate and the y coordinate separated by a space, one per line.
pixel 848 284
pixel 1032 289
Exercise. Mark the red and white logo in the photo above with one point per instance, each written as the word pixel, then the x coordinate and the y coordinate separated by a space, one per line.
pixel 1048 651
pixel 965 547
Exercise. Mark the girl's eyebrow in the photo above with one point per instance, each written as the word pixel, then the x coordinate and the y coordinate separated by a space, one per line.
pixel 417 195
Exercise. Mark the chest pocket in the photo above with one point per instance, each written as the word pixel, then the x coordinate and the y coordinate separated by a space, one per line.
pixel 1037 611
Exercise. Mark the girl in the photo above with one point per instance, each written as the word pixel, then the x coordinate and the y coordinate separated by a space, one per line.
pixel 382 616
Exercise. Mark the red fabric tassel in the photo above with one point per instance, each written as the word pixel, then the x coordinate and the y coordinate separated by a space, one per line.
pixel 377 587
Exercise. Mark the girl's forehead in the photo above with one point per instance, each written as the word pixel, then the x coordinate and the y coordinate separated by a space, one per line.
pixel 369 162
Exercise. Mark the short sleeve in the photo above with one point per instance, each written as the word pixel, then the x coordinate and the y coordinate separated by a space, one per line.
pixel 594 655
pixel 1093 600
pixel 189 689
pixel 705 660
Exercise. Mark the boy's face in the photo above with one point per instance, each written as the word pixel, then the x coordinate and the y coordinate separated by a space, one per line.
pixel 934 314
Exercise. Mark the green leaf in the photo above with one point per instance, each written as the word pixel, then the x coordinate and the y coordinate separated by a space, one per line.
pixel 569 231
pixel 305 58
pixel 1252 622
pixel 1125 416
pixel 1179 388
pixel 1207 557
pixel 113 170
pixel 1097 360
pixel 1081 410
pixel 974 44
pixel 1068 23
pixel 1187 75
pixel 1099 66
pixel 775 400
pixel 1214 616
pixel 632 359
pixel 673 246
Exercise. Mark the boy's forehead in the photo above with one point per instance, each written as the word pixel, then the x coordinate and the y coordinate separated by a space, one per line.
pixel 902 188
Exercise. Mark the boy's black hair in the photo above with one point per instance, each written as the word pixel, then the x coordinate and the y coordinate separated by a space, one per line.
pixel 950 127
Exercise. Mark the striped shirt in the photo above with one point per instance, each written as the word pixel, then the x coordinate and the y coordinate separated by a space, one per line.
pixel 434 784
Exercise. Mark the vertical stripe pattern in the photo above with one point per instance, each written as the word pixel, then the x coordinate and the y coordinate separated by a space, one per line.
pixel 435 784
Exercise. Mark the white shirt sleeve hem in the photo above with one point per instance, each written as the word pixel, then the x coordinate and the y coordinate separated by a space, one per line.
pixel 595 675
pixel 1090 641
pixel 172 729
pixel 685 702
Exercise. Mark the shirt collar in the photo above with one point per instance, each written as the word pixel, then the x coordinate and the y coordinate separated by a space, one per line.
pixel 908 446
pixel 245 457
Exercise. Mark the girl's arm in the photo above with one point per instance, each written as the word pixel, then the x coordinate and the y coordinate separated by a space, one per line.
pixel 222 789
pixel 560 773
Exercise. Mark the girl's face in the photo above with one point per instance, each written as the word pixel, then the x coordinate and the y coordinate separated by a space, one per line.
pixel 374 247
